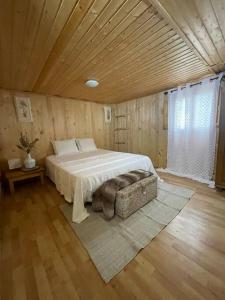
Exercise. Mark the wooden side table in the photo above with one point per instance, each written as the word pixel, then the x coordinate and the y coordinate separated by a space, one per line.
pixel 18 175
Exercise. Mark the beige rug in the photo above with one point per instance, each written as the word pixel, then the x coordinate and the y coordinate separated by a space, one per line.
pixel 113 244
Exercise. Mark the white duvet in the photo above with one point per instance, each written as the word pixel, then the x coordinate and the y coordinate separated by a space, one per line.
pixel 78 175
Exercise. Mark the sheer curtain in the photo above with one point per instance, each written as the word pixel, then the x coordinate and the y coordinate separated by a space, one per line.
pixel 192 130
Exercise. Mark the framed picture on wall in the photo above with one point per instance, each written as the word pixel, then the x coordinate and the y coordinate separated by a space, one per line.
pixel 23 109
pixel 108 114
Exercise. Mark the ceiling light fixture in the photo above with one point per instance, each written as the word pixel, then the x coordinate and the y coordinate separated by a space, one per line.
pixel 92 83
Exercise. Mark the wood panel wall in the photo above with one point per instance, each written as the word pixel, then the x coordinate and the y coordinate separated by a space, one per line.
pixel 61 118
pixel 53 118
pixel 220 145
pixel 146 122
pixel 144 127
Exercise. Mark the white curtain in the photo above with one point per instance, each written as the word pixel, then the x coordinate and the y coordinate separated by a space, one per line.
pixel 192 116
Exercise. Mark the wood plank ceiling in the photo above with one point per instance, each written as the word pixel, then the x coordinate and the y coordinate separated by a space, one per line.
pixel 133 47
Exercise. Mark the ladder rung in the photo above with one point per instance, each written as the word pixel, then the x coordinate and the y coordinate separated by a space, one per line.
pixel 120 116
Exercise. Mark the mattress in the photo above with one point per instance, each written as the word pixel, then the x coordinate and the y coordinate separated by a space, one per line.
pixel 78 175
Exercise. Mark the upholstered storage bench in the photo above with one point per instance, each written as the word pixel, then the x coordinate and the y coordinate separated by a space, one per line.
pixel 134 196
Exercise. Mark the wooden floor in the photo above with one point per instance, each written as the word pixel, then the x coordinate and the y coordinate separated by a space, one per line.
pixel 41 258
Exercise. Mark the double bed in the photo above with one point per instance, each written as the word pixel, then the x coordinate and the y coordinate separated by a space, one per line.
pixel 78 175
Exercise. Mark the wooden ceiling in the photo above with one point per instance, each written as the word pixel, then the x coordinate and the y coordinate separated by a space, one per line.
pixel 133 47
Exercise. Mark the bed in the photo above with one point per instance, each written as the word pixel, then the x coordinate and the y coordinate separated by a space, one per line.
pixel 78 175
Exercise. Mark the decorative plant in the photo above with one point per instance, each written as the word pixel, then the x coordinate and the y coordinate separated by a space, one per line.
pixel 25 144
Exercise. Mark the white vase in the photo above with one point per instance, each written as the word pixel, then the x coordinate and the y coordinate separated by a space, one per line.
pixel 29 162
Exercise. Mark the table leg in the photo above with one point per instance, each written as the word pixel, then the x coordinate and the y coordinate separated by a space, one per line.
pixel 42 178
pixel 11 186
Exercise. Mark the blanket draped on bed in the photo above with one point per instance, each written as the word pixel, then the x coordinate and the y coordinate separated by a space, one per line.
pixel 77 176
pixel 104 197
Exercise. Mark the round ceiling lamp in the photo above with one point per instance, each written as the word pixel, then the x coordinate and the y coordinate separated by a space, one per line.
pixel 92 83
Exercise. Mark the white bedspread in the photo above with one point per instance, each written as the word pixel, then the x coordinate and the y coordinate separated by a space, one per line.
pixel 78 175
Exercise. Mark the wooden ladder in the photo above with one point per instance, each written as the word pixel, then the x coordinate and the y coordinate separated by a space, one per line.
pixel 121 132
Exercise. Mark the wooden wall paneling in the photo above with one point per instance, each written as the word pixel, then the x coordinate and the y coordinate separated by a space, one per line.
pixel 132 124
pixel 42 127
pixel 103 132
pixel 114 107
pixel 75 118
pixel 58 112
pixel 124 126
pixel 162 130
pixel 8 126
pixel 218 126
pixel 11 128
pixel 59 118
pixel 165 112
pixel 116 135
pixel 99 125
pixel 71 119
pixel 138 128
pixel 220 161
pixel 147 133
pixel 53 118
pixel 121 123
pixel 109 134
pixel 147 127
pixel 85 117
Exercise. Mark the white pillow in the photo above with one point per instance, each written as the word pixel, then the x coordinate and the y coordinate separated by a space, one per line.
pixel 86 145
pixel 65 146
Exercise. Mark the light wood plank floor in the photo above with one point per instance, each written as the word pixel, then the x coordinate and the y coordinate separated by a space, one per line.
pixel 41 258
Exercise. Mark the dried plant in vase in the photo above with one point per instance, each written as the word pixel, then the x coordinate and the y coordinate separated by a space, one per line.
pixel 27 146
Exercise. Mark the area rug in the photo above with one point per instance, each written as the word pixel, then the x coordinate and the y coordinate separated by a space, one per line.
pixel 113 244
